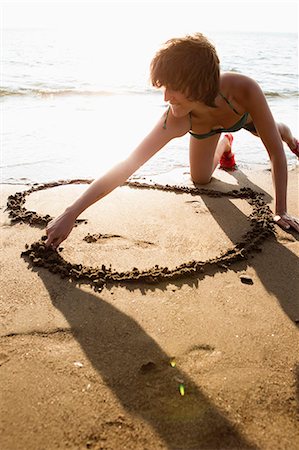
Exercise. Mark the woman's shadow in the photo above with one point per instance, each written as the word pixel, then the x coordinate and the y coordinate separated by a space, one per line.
pixel 278 270
pixel 139 374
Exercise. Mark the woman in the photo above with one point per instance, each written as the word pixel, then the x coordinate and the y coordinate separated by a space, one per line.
pixel 204 103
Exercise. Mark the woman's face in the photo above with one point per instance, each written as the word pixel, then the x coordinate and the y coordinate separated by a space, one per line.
pixel 179 103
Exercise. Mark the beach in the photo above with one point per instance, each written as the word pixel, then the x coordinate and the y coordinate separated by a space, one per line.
pixel 170 320
pixel 169 317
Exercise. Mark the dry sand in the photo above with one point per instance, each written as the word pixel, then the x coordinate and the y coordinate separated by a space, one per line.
pixel 83 369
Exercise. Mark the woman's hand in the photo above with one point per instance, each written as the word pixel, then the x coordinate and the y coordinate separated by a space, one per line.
pixel 58 229
pixel 286 222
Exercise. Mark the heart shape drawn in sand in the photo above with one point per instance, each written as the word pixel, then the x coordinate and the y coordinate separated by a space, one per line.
pixel 38 254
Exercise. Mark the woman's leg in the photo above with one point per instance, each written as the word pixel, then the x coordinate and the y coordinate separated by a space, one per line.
pixel 287 136
pixel 205 155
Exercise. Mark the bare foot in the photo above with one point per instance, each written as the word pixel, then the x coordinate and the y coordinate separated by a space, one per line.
pixel 229 141
pixel 288 138
pixel 294 146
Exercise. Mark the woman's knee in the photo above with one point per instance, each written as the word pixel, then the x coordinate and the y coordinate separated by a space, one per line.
pixel 202 179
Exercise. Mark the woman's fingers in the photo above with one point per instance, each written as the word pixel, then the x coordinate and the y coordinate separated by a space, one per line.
pixel 286 222
pixel 295 224
pixel 50 235
pixel 58 230
pixel 282 223
pixel 54 239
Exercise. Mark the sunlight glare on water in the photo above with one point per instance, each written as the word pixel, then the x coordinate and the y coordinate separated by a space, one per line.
pixel 76 96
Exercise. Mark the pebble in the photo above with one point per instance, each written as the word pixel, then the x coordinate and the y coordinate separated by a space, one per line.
pixel 78 364
pixel 246 279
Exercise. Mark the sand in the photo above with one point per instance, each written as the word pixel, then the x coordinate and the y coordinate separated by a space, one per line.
pixel 155 294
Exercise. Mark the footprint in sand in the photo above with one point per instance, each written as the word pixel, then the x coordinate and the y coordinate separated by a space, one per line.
pixel 199 355
pixel 99 238
pixel 199 206
pixel 201 347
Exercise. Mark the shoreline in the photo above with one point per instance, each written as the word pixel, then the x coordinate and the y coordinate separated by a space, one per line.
pixel 178 171
pixel 261 228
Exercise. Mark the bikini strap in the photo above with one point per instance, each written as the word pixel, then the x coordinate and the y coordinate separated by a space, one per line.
pixel 166 117
pixel 167 112
pixel 229 104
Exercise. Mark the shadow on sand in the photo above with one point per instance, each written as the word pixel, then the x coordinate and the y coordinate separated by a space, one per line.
pixel 118 347
pixel 275 275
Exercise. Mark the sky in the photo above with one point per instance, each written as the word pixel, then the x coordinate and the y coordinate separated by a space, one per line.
pixel 163 18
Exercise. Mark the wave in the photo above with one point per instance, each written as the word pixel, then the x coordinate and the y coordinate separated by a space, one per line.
pixel 59 92
pixel 51 92
pixel 24 164
pixel 282 94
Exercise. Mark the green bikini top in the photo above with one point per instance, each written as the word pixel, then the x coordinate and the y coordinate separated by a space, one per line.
pixel 236 127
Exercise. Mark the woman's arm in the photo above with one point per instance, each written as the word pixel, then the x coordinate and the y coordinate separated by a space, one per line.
pixel 256 104
pixel 59 228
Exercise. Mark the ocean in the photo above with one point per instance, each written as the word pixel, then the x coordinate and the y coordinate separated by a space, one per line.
pixel 72 106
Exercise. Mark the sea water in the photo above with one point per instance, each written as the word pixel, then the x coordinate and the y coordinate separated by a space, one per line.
pixel 73 107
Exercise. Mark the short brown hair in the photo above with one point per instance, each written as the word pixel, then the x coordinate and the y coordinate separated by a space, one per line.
pixel 188 64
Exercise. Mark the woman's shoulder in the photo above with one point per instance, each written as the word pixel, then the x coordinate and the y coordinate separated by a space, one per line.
pixel 239 86
pixel 236 80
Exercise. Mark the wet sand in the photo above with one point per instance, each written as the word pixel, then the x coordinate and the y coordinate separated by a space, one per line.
pixel 167 320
